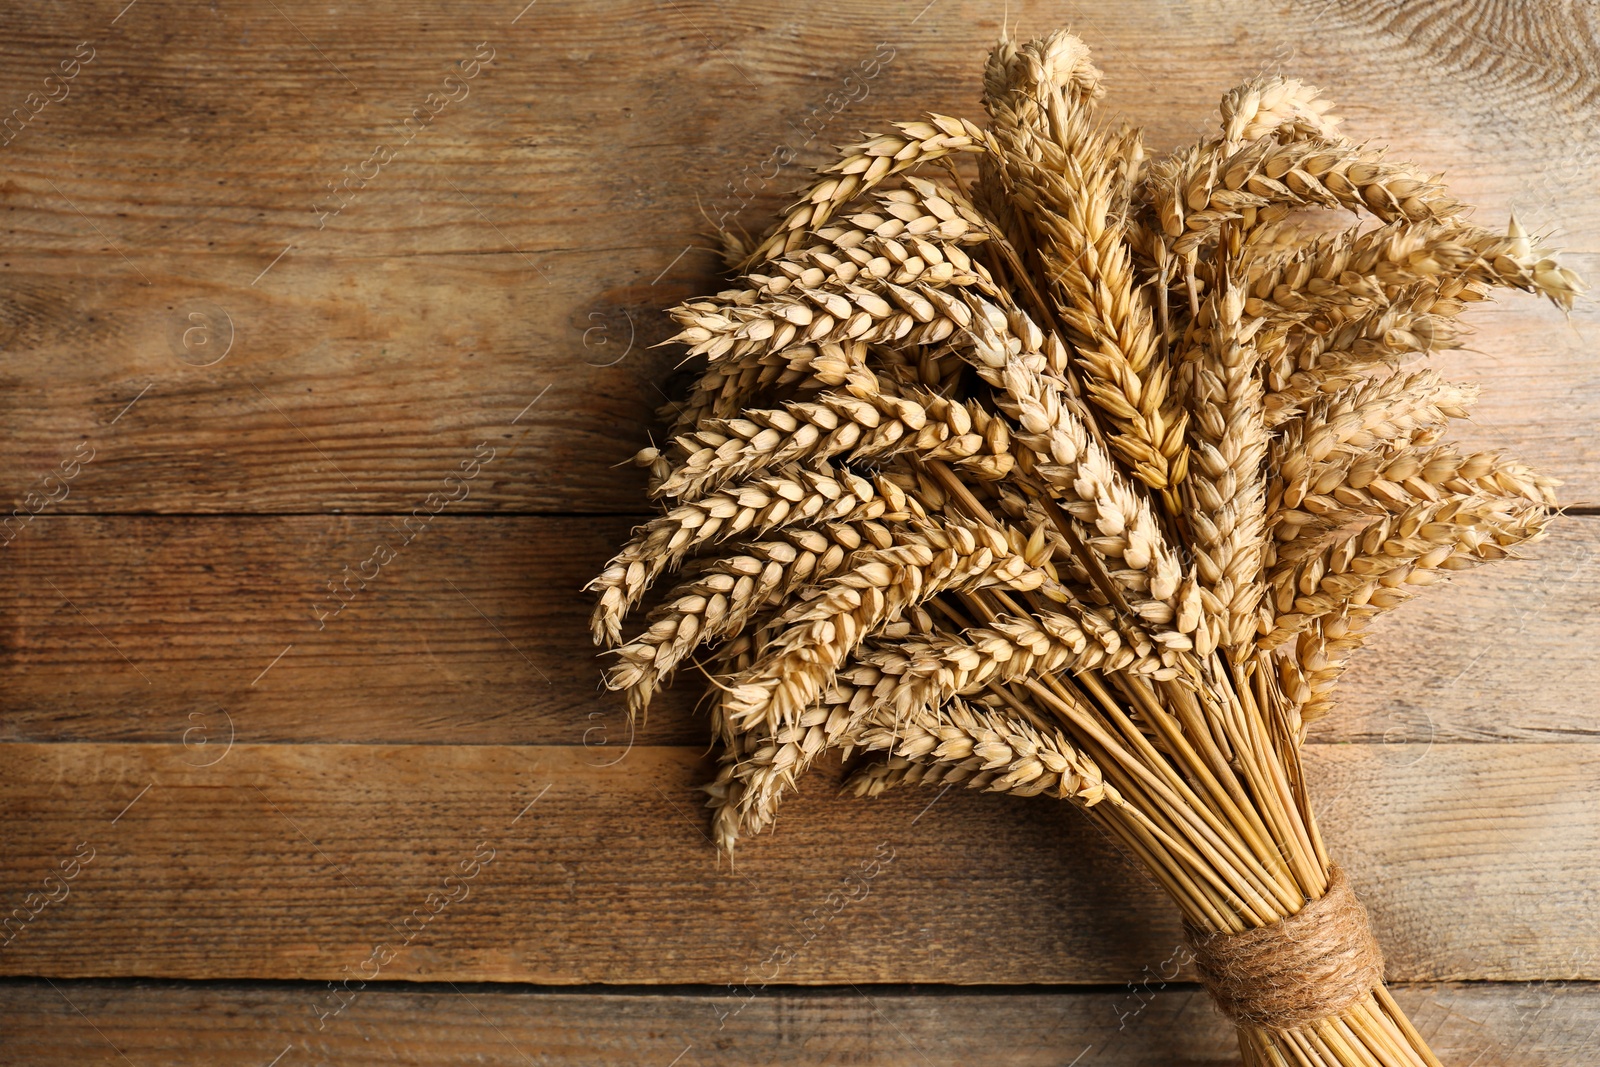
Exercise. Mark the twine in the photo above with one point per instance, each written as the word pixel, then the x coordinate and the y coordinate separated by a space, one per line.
pixel 1307 966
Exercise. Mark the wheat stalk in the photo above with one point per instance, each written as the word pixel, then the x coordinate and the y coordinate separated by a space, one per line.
pixel 1084 478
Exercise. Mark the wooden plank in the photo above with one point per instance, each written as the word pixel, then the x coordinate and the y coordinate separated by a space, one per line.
pixel 554 208
pixel 501 863
pixel 173 628
pixel 142 628
pixel 1546 1024
pixel 359 386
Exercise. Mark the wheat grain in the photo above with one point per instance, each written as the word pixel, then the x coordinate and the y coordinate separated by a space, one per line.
pixel 728 385
pixel 857 428
pixel 1339 426
pixel 1226 489
pixel 1207 185
pixel 820 633
pixel 1392 477
pixel 1355 268
pixel 1072 183
pixel 987 752
pixel 726 594
pixel 1072 198
pixel 752 508
pixel 1116 521
pixel 926 671
pixel 862 166
pixel 1268 103
pixel 1371 563
pixel 876 254
pixel 740 322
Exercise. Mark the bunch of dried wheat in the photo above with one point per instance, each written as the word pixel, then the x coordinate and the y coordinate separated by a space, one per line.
pixel 1065 473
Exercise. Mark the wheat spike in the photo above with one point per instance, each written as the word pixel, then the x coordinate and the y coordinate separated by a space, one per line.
pixel 820 633
pixel 862 166
pixel 1268 103
pixel 1373 562
pixel 876 427
pixel 986 751
pixel 748 509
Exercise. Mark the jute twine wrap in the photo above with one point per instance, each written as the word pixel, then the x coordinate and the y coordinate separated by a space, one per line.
pixel 1307 966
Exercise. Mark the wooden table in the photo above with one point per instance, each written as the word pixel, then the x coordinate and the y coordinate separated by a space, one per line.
pixel 248 359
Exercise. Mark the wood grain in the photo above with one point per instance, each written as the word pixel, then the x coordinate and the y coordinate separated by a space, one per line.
pixel 358 387
pixel 1518 57
pixel 530 235
pixel 296 861
pixel 225 1025
pixel 268 795
pixel 161 628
